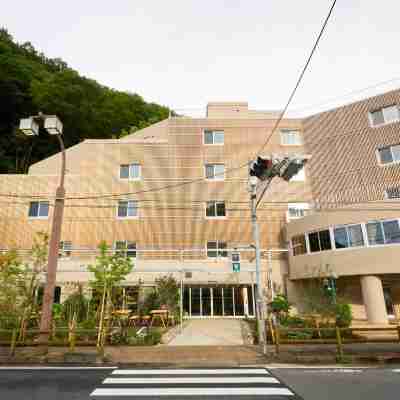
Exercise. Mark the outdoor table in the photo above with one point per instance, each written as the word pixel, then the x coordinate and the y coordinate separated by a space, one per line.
pixel 162 315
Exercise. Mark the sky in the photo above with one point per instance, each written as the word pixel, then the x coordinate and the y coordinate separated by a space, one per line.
pixel 185 53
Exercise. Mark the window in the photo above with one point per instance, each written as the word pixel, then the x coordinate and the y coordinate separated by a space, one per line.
pixel 215 209
pixel 38 209
pixel 383 232
pixel 125 248
pixel 213 137
pixel 348 236
pixel 375 233
pixel 319 241
pixel 215 172
pixel 64 249
pixel 384 115
pixel 392 231
pixel 389 154
pixel 130 171
pixel 392 193
pixel 296 210
pixel 216 249
pixel 299 245
pixel 290 137
pixel 127 209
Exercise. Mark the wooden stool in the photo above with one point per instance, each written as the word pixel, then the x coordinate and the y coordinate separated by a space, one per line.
pixel 132 320
pixel 146 320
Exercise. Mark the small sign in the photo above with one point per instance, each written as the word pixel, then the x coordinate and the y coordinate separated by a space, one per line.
pixel 235 261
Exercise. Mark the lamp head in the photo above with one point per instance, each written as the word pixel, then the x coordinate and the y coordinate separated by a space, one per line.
pixel 29 126
pixel 53 125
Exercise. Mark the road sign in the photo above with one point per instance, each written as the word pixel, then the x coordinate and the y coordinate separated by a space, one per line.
pixel 235 261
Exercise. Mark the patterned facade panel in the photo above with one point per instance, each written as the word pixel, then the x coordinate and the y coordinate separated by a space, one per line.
pixel 171 210
pixel 344 165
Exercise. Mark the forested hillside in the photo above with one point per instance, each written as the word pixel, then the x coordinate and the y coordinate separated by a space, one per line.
pixel 30 82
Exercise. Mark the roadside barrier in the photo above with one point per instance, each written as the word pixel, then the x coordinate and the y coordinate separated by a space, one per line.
pixel 337 334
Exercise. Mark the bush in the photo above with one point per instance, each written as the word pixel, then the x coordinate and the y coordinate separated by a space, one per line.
pixel 294 322
pixel 153 338
pixel 75 305
pixel 280 304
pixel 300 335
pixel 87 330
pixel 344 316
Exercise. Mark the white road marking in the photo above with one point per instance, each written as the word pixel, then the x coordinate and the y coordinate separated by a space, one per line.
pixel 337 370
pixel 395 370
pixel 201 391
pixel 190 371
pixel 53 368
pixel 313 367
pixel 178 380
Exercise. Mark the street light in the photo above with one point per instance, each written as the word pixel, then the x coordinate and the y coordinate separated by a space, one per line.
pixel 30 126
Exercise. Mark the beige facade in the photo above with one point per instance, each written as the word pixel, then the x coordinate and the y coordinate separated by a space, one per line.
pixel 170 229
pixel 354 232
pixel 353 168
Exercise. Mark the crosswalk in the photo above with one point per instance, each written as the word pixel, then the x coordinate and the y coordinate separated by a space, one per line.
pixel 245 382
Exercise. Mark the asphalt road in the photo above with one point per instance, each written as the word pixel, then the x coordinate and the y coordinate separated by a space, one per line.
pixel 310 384
pixel 343 383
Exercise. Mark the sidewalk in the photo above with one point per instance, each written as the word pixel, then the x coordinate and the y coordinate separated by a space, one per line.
pixel 185 356
pixel 210 332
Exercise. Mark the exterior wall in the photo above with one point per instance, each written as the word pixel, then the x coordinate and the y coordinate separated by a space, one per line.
pixel 344 167
pixel 378 259
pixel 348 290
pixel 170 153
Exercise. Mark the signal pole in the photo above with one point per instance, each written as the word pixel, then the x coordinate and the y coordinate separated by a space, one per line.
pixel 265 169
pixel 256 238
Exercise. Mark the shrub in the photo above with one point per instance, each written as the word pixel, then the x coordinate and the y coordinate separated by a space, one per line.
pixel 300 335
pixel 344 316
pixel 280 304
pixel 76 305
pixel 153 338
pixel 294 322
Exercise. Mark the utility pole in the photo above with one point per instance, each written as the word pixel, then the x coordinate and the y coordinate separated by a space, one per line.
pixel 265 169
pixel 30 126
pixel 256 239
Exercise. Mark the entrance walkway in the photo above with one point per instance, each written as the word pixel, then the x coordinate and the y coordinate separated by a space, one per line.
pixel 210 332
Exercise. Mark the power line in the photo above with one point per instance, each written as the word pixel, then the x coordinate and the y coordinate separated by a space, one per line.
pixel 356 91
pixel 323 102
pixel 245 164
pixel 300 78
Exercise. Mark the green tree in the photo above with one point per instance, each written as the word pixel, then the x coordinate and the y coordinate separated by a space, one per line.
pixel 11 271
pixel 19 283
pixel 31 82
pixel 108 272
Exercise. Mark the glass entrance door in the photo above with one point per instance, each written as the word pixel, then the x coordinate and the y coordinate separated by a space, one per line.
pixel 206 301
pixel 218 301
pixel 228 301
pixel 195 302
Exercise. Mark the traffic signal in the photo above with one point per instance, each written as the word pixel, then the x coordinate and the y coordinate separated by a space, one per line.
pixel 294 165
pixel 235 261
pixel 261 168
